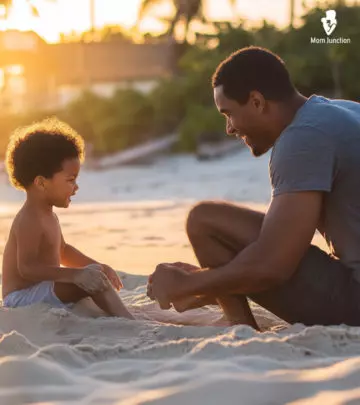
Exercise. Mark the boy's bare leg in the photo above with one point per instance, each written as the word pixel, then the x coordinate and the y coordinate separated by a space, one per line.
pixel 218 232
pixel 108 300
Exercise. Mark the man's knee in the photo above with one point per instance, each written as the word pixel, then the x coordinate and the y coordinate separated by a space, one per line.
pixel 209 215
pixel 198 217
pixel 219 216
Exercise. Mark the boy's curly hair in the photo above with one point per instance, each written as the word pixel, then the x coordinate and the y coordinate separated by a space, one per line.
pixel 40 150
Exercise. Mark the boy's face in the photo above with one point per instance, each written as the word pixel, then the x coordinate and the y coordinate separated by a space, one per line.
pixel 62 185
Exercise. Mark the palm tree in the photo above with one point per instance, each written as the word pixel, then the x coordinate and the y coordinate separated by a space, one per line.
pixel 187 10
pixel 292 13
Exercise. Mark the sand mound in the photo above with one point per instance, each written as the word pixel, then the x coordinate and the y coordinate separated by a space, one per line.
pixel 80 357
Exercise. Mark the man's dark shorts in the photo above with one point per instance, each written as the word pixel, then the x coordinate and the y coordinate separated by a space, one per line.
pixel 322 291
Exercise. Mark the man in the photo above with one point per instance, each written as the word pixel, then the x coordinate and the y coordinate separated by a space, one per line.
pixel 315 177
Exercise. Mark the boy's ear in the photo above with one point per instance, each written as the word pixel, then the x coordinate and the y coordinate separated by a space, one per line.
pixel 39 182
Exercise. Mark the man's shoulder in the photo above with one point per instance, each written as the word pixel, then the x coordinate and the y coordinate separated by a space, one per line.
pixel 300 147
pixel 324 117
pixel 301 137
pixel 322 123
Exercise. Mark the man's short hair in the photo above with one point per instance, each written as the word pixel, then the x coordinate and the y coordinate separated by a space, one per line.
pixel 250 69
pixel 40 149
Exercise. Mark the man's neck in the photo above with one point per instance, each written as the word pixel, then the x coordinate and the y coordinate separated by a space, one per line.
pixel 284 115
pixel 289 109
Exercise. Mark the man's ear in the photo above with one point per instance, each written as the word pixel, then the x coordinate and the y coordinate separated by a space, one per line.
pixel 257 100
pixel 40 182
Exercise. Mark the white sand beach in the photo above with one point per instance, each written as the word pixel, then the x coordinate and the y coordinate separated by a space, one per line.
pixel 133 218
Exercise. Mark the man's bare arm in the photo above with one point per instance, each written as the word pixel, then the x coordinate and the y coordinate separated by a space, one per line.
pixel 286 234
pixel 28 238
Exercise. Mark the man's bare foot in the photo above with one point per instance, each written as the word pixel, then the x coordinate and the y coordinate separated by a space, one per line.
pixel 187 303
pixel 222 322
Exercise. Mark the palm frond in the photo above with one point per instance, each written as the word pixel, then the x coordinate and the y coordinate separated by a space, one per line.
pixel 187 10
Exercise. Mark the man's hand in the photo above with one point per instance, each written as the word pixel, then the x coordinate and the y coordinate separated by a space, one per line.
pixel 166 284
pixel 190 268
pixel 91 279
pixel 112 276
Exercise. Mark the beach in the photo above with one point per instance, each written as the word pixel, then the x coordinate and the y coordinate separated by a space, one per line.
pixel 132 218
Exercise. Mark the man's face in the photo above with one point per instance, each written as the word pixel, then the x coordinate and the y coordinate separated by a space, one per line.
pixel 249 122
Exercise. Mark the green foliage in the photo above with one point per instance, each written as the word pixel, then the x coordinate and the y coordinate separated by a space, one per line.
pixel 112 124
pixel 131 122
pixel 86 113
pixel 169 101
pixel 199 120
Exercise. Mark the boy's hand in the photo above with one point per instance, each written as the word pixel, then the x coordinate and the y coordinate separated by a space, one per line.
pixel 112 276
pixel 91 279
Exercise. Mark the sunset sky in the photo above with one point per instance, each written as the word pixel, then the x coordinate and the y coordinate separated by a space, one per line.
pixel 74 15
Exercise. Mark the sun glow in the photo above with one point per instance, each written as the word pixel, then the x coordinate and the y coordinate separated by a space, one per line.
pixel 67 16
pixel 70 16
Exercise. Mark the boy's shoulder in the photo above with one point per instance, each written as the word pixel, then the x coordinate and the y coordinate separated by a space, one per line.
pixel 25 218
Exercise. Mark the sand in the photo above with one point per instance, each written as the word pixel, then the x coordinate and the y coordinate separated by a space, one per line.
pixel 133 218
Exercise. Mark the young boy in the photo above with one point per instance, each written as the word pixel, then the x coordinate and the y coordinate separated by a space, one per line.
pixel 44 161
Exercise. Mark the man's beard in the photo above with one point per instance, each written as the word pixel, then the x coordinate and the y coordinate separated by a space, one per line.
pixel 255 151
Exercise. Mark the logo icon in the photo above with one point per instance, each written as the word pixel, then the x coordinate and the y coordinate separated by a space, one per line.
pixel 329 22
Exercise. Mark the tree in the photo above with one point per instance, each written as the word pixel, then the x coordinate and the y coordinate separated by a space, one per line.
pixel 292 13
pixel 186 10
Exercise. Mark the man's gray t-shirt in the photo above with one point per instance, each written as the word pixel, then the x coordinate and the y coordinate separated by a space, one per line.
pixel 320 151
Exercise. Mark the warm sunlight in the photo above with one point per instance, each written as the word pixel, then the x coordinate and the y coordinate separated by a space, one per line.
pixel 66 16
pixel 179 202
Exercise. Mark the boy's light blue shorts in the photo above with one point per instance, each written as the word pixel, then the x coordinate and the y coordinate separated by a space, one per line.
pixel 38 293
